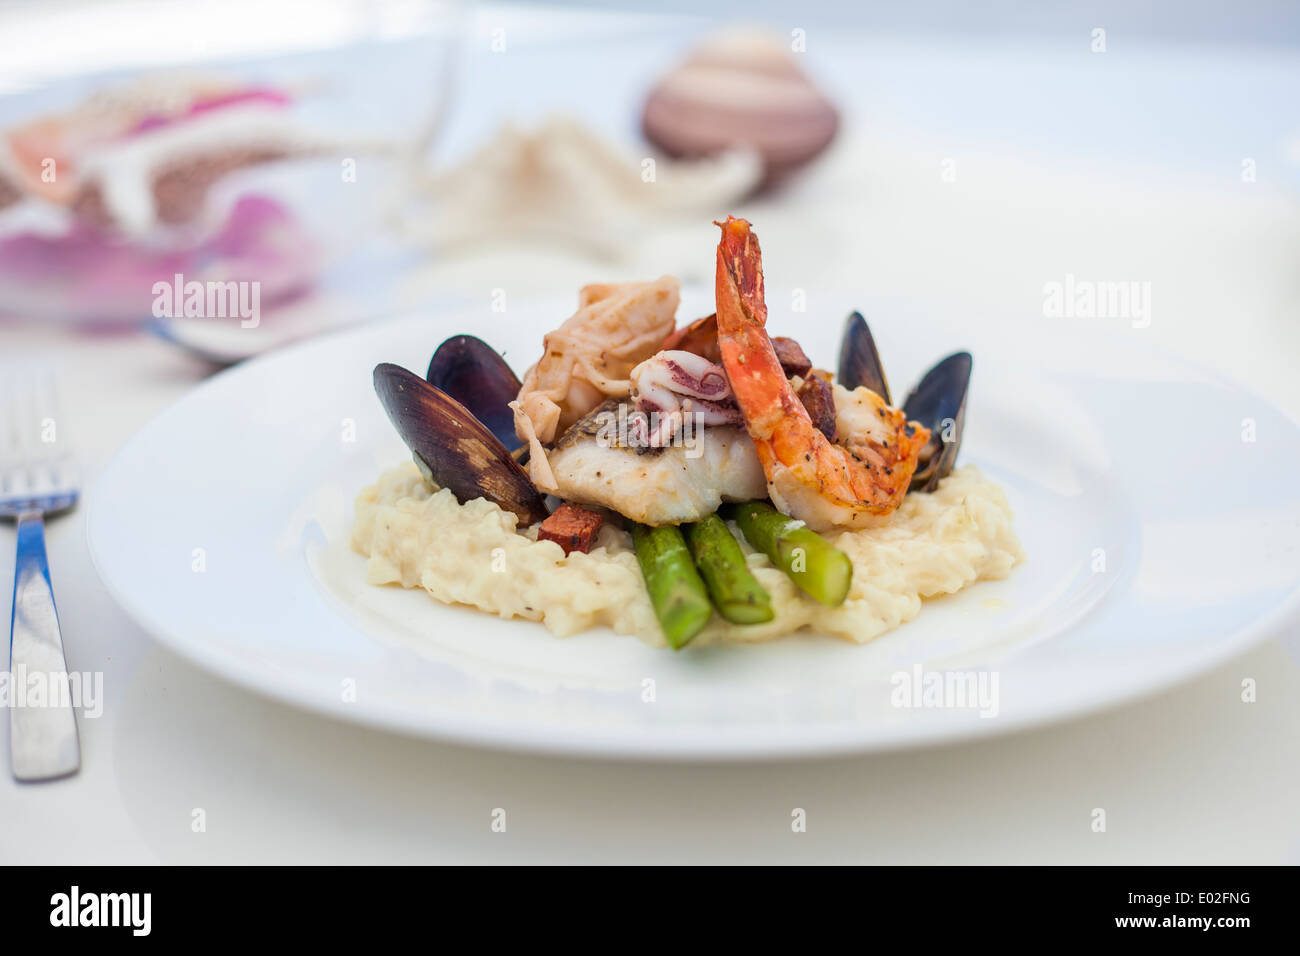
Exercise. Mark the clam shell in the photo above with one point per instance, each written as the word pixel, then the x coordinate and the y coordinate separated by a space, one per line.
pixel 741 89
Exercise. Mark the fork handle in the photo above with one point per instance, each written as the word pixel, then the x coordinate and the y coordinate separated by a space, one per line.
pixel 43 740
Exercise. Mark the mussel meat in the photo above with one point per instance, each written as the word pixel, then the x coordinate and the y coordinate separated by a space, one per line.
pixel 939 403
pixel 453 448
pixel 474 374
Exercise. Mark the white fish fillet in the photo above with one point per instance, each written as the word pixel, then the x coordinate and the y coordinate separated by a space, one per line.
pixel 662 486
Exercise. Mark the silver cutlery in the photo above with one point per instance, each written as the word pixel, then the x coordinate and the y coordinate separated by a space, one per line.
pixel 38 478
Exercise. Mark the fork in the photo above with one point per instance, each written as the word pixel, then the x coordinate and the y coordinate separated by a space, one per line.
pixel 37 478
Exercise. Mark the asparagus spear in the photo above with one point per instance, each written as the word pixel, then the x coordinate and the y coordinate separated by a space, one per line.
pixel 821 570
pixel 736 593
pixel 676 590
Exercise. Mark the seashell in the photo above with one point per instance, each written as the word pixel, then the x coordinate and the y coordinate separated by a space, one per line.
pixel 859 361
pixel 453 448
pixel 475 374
pixel 939 403
pixel 741 89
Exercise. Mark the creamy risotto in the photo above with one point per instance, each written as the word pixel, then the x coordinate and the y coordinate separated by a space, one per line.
pixel 471 554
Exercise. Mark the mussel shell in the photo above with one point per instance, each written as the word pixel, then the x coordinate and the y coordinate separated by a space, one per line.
pixel 474 374
pixel 939 403
pixel 859 361
pixel 452 447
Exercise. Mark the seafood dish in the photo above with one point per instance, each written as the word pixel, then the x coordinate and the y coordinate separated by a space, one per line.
pixel 684 483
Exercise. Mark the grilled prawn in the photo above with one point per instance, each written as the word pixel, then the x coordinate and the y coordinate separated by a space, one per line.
pixel 857 480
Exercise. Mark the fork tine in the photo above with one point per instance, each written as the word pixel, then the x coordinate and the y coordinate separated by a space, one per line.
pixel 49 411
pixel 17 400
pixel 30 419
pixel 35 456
pixel 8 411
pixel 11 414
pixel 38 407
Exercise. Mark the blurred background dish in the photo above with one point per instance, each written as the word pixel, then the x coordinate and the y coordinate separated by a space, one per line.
pixel 263 143
pixel 562 182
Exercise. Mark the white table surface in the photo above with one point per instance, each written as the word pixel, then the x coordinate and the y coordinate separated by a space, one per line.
pixel 1193 775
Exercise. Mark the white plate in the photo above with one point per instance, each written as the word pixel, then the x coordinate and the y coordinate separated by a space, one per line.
pixel 220 528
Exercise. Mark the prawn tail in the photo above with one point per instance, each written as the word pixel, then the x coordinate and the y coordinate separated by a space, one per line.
pixel 752 367
pixel 740 275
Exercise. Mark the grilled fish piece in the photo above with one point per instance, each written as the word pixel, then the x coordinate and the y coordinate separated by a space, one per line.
pixel 598 462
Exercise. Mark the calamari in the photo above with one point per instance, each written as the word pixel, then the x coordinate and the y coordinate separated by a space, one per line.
pixel 589 359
